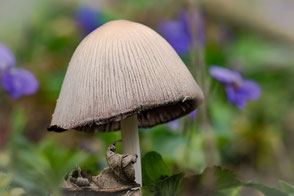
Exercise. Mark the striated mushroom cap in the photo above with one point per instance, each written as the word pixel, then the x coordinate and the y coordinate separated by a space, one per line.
pixel 121 69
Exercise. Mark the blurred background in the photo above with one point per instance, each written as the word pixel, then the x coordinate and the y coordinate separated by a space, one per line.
pixel 224 43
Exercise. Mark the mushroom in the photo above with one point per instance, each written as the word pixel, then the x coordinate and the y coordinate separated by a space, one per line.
pixel 124 75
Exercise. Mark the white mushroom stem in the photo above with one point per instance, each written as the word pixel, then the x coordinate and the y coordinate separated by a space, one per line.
pixel 130 143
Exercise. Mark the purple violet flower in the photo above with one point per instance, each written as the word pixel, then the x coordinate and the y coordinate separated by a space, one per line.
pixel 192 115
pixel 238 90
pixel 174 125
pixel 18 82
pixel 88 19
pixel 15 81
pixel 6 57
pixel 179 34
pixel 176 34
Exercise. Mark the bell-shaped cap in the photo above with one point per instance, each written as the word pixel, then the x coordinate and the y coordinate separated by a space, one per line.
pixel 121 69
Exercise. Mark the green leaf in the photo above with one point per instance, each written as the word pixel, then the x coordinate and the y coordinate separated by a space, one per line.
pixel 226 179
pixel 153 168
pixel 166 187
pixel 229 192
pixel 213 181
pixel 222 182
pixel 169 186
pixel 267 191
pixel 43 167
pixel 18 123
pixel 287 188
pixel 5 180
pixel 172 140
pixel 223 179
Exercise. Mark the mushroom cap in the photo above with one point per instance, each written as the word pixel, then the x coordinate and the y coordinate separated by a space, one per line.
pixel 121 69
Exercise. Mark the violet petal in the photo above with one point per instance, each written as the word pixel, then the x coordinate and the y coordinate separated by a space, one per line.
pixel 192 115
pixel 250 90
pixel 197 20
pixel 18 82
pixel 225 75
pixel 174 125
pixel 175 33
pixel 7 58
pixel 235 97
pixel 88 19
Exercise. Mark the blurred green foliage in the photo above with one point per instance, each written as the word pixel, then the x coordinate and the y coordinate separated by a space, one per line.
pixel 153 168
pixel 257 142
pixel 5 190
pixel 212 181
pixel 39 168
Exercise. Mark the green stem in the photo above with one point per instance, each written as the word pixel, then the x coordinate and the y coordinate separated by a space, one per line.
pixel 199 72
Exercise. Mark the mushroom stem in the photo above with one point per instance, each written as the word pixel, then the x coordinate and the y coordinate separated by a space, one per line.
pixel 130 143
